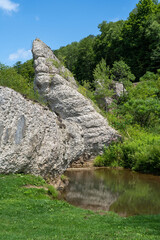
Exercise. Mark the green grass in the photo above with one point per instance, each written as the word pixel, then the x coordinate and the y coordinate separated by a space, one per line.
pixel 30 213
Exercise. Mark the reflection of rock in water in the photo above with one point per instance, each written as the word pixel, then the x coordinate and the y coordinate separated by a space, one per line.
pixel 122 191
pixel 86 191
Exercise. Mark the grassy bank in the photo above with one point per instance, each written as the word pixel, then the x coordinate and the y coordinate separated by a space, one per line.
pixel 32 213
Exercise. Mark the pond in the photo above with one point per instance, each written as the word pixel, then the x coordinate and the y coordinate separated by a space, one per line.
pixel 122 191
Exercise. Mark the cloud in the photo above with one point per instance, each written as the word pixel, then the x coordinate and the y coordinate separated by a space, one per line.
pixel 115 19
pixel 21 54
pixel 9 6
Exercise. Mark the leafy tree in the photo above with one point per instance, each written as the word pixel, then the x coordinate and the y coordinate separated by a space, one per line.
pixel 26 70
pixel 121 72
pixel 68 55
pixel 85 60
pixel 141 35
pixel 108 44
pixel 144 112
pixel 79 58
pixel 102 80
pixel 10 78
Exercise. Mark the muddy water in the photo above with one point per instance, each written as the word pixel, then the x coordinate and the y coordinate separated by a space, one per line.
pixel 122 191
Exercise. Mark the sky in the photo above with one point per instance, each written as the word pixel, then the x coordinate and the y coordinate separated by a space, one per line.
pixel 56 22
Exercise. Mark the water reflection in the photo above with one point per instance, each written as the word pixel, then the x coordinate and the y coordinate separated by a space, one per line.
pixel 122 191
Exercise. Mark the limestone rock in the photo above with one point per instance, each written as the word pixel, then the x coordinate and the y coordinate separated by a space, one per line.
pixel 106 103
pixel 33 139
pixel 59 88
pixel 118 89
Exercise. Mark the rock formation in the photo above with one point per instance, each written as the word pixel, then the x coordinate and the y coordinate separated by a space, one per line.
pixel 106 103
pixel 33 139
pixel 59 88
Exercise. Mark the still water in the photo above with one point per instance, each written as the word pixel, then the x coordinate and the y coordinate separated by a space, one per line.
pixel 122 191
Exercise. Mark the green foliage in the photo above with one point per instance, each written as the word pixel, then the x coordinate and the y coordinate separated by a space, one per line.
pixel 140 147
pixel 66 74
pixel 10 78
pixel 26 70
pixel 140 152
pixel 144 112
pixel 121 72
pixel 141 35
pixel 102 80
pixel 55 63
pixel 136 41
pixel 64 178
pixel 140 104
pixel 68 55
pixel 85 60
pixel 112 156
pixel 86 90
pixel 79 58
pixel 108 45
pixel 148 76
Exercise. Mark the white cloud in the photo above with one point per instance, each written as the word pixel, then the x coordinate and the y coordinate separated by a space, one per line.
pixel 115 19
pixel 21 54
pixel 8 5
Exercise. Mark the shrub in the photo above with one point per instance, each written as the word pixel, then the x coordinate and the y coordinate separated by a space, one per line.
pixel 10 78
pixel 140 152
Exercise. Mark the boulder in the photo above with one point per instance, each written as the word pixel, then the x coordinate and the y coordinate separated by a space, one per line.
pixel 118 89
pixel 106 103
pixel 33 139
pixel 59 88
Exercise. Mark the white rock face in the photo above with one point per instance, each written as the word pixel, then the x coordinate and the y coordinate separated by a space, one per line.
pixel 59 89
pixel 33 139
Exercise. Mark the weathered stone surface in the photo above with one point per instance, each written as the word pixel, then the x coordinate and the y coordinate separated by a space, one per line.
pixel 33 139
pixel 106 103
pixel 59 89
pixel 118 89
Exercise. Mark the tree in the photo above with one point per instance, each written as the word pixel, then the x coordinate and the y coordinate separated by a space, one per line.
pixel 102 80
pixel 68 55
pixel 108 44
pixel 26 70
pixel 10 78
pixel 121 72
pixel 85 60
pixel 144 112
pixel 141 36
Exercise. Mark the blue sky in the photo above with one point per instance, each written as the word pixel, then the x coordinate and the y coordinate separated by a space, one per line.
pixel 56 22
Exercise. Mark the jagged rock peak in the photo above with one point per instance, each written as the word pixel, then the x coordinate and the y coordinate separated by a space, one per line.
pixel 47 63
pixel 59 88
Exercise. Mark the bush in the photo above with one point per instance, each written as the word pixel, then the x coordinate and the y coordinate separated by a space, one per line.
pixel 141 152
pixel 144 112
pixel 10 78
